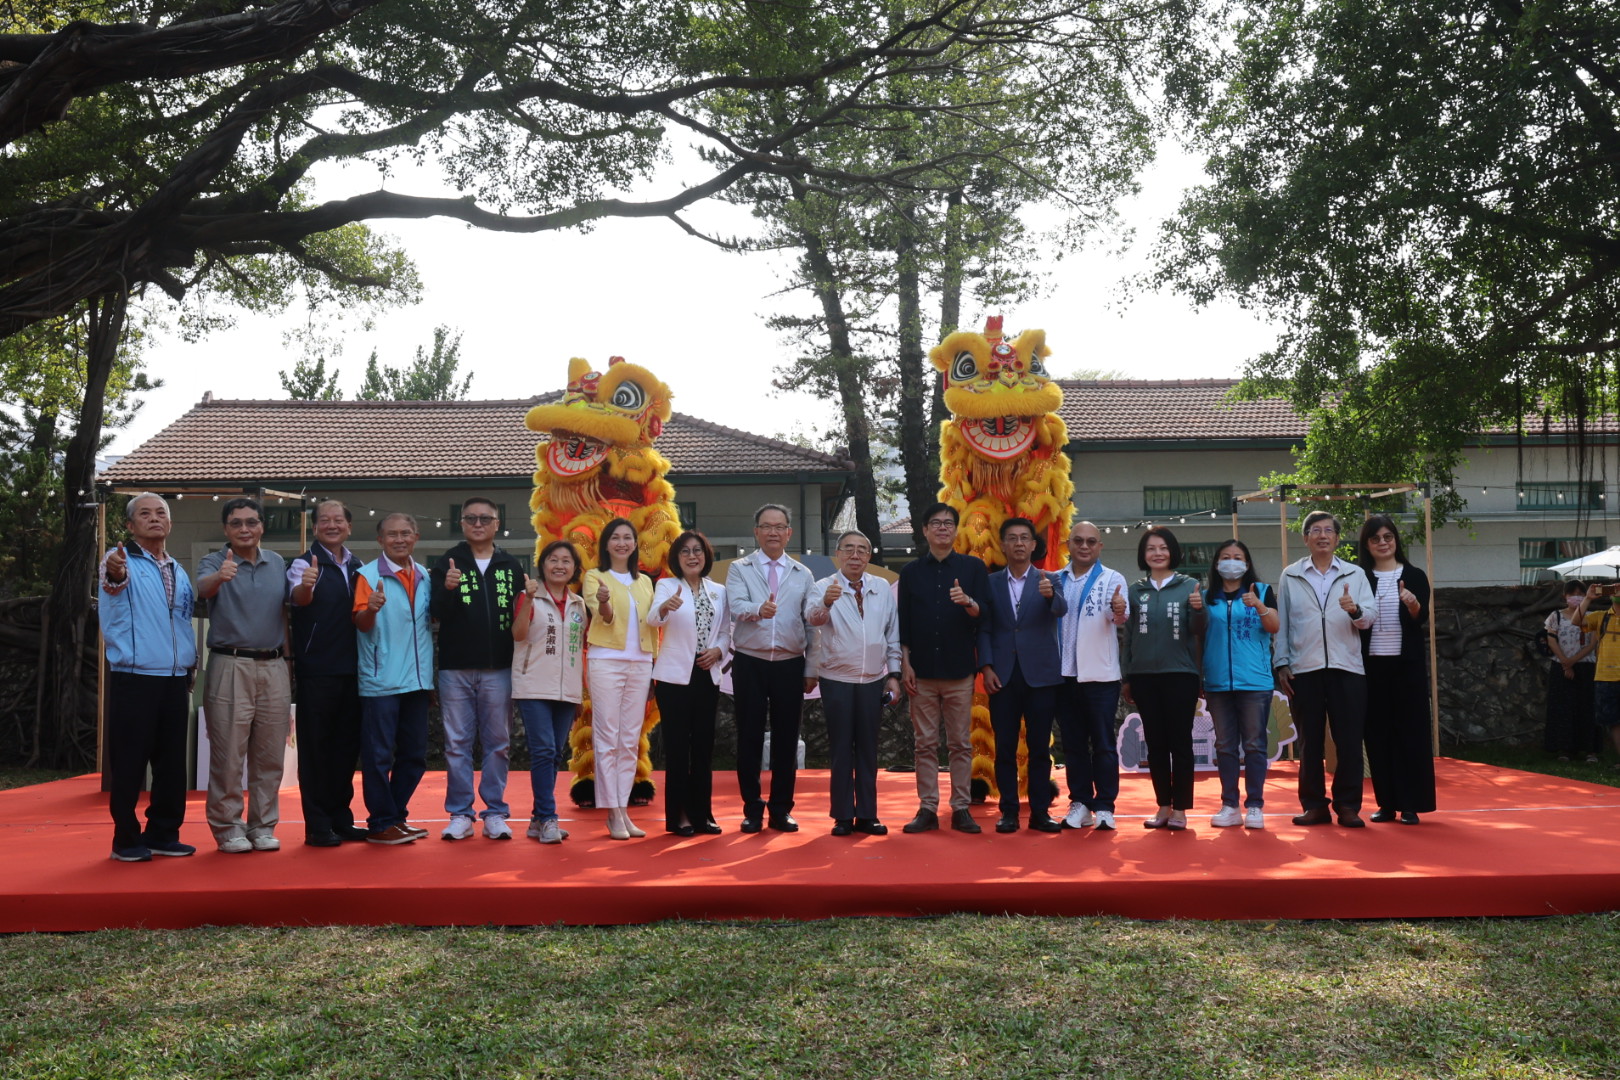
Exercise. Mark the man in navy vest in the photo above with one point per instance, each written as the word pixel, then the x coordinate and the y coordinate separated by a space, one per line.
pixel 324 654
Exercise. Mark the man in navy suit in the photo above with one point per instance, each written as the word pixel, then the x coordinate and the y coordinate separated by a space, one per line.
pixel 1018 654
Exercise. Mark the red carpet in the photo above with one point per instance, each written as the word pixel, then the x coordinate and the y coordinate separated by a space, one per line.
pixel 1506 843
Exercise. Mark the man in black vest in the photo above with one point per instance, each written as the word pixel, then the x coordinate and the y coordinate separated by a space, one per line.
pixel 328 697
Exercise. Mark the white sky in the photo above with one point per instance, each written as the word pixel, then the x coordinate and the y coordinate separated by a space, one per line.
pixel 690 312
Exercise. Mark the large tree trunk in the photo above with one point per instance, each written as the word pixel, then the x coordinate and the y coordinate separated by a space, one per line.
pixel 919 444
pixel 68 736
pixel 950 294
pixel 851 375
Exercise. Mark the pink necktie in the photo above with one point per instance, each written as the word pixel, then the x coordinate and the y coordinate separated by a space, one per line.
pixel 774 580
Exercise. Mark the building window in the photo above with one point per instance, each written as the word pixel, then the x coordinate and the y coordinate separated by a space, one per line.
pixel 688 512
pixel 1570 495
pixel 1196 559
pixel 454 517
pixel 281 522
pixel 1158 502
pixel 1536 553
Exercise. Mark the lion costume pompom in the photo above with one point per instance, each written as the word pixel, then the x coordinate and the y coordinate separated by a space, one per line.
pixel 598 465
pixel 1001 456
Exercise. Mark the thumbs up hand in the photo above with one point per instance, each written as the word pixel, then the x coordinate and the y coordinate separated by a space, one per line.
pixel 672 604
pixel 377 599
pixel 1252 597
pixel 958 596
pixel 532 587
pixel 312 575
pixel 1045 585
pixel 767 610
pixel 834 591
pixel 452 576
pixel 1117 604
pixel 1408 598
pixel 1196 600
pixel 1345 602
pixel 117 565
pixel 228 568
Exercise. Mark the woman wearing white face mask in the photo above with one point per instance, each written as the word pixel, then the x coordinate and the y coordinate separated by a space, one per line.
pixel 1570 729
pixel 1238 680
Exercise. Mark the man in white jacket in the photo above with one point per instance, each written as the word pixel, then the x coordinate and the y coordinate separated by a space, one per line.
pixel 1324 604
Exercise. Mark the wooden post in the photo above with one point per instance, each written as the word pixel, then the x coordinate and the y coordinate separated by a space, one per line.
pixel 1434 669
pixel 1282 524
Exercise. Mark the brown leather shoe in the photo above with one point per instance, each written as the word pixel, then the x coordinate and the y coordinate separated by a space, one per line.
pixel 1320 816
pixel 1351 820
pixel 394 834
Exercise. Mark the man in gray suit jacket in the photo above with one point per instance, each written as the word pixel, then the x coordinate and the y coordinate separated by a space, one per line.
pixel 1018 653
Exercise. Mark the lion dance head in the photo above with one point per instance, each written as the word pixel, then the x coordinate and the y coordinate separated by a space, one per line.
pixel 599 463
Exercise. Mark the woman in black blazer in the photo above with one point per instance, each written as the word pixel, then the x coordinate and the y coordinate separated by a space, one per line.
pixel 1396 655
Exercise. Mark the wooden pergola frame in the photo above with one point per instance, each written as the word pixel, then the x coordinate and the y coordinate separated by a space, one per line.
pixel 1364 494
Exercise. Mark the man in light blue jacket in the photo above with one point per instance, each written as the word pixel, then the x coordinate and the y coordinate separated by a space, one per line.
pixel 396 677
pixel 145 609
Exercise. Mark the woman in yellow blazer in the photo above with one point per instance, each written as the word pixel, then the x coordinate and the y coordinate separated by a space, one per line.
pixel 618 667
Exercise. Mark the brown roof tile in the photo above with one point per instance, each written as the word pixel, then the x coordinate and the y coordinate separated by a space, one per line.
pixel 1134 409
pixel 230 441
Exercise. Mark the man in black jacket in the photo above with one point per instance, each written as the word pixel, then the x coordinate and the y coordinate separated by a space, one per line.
pixel 475 586
pixel 325 659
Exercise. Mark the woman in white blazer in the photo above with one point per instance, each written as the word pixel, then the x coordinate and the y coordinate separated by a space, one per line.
pixel 691 610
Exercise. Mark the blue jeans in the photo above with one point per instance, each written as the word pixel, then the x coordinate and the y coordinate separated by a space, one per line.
pixel 393 755
pixel 1240 716
pixel 1085 715
pixel 476 700
pixel 546 725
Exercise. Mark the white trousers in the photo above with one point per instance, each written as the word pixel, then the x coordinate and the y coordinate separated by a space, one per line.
pixel 619 691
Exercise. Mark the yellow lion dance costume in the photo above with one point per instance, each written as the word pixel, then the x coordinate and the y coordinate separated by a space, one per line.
pixel 598 465
pixel 1001 456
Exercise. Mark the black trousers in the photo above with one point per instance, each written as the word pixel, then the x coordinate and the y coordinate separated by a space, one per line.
pixel 1036 707
pixel 687 721
pixel 1336 700
pixel 770 690
pixel 146 724
pixel 854 711
pixel 1399 747
pixel 328 727
pixel 1166 704
pixel 1570 727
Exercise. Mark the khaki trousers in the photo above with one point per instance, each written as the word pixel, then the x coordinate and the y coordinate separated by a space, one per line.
pixel 247 704
pixel 943 706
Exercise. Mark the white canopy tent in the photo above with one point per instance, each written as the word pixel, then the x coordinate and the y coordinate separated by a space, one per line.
pixel 1605 564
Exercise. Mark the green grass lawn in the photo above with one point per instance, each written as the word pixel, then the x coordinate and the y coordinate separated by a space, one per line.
pixel 967 996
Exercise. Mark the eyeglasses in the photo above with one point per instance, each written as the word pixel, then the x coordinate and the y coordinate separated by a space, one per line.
pixel 1322 530
pixel 772 528
pixel 941 523
pixel 1381 538
pixel 478 519
pixel 850 549
pixel 242 523
pixel 1085 541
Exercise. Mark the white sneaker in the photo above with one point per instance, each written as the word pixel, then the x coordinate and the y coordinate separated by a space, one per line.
pixel 236 845
pixel 1228 816
pixel 1254 818
pixel 533 831
pixel 550 833
pixel 496 828
pixel 460 828
pixel 264 842
pixel 1105 821
pixel 1079 817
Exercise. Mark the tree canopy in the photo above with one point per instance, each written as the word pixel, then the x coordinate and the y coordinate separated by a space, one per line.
pixel 1426 195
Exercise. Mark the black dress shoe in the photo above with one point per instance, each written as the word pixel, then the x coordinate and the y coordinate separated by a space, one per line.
pixel 871 827
pixel 925 821
pixel 1408 818
pixel 323 839
pixel 1320 816
pixel 353 833
pixel 681 830
pixel 1351 820
pixel 962 821
pixel 1006 823
pixel 783 823
pixel 1044 823
pixel 843 827
pixel 1381 815
pixel 709 828
pixel 750 824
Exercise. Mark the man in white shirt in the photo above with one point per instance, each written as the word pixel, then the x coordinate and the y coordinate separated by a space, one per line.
pixel 1088 697
pixel 855 655
pixel 1323 604
pixel 765 593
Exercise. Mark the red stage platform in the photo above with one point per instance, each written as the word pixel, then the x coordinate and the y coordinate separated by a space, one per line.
pixel 1506 843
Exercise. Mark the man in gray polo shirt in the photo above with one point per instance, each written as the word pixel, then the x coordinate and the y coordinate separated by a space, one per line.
pixel 247 694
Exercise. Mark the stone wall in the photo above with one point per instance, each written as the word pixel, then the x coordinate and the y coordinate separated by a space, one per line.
pixel 1492 683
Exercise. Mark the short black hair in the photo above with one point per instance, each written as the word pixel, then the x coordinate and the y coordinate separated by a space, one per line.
pixel 476 499
pixel 545 553
pixel 240 503
pixel 1217 584
pixel 1170 541
pixel 956 518
pixel 604 561
pixel 671 558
